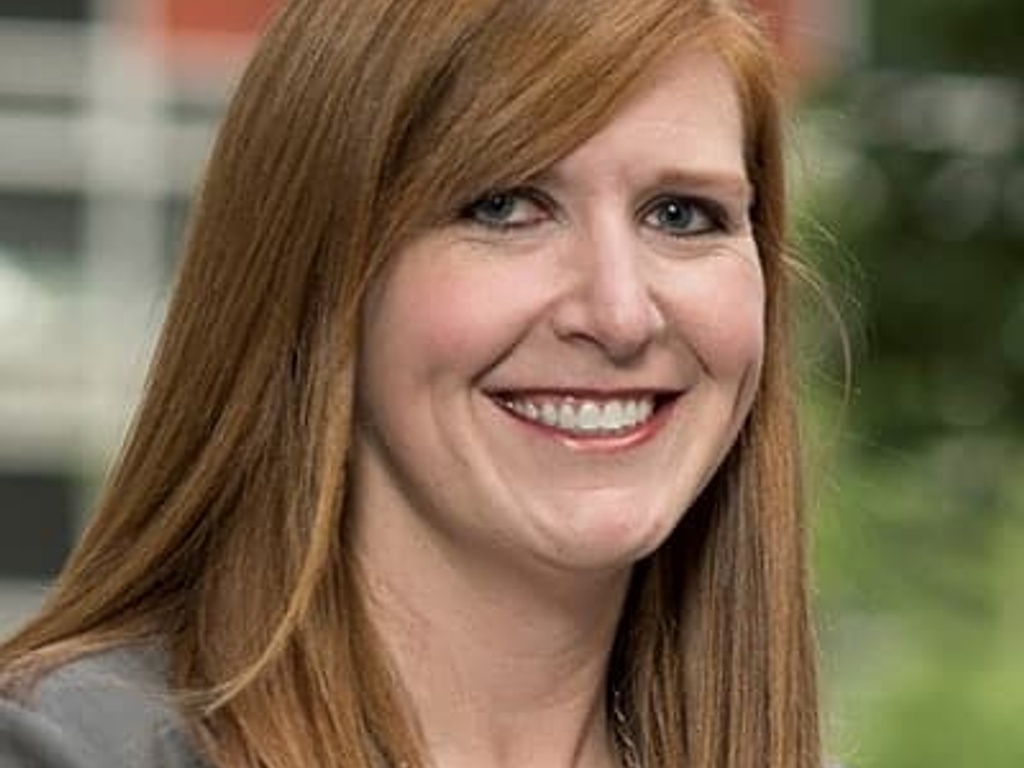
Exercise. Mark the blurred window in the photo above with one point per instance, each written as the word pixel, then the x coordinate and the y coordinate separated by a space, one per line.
pixel 43 230
pixel 37 526
pixel 45 10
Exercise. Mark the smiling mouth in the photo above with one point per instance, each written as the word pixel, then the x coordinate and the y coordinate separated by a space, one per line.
pixel 586 416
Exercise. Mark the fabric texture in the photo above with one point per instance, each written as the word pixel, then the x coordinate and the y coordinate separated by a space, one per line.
pixel 108 710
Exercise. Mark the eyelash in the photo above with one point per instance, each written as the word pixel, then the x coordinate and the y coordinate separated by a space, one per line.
pixel 714 213
pixel 718 219
pixel 472 213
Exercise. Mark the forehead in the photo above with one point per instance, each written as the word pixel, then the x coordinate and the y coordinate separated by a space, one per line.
pixel 684 114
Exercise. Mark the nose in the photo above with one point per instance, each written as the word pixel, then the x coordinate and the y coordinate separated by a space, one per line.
pixel 611 302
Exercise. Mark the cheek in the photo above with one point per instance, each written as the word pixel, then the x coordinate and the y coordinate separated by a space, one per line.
pixel 432 319
pixel 724 311
pixel 462 328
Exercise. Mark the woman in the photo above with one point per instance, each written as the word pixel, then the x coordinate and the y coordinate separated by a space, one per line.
pixel 469 438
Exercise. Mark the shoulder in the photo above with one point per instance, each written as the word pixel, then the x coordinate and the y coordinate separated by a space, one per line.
pixel 107 710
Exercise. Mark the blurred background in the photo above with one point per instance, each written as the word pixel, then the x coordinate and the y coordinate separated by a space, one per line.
pixel 908 152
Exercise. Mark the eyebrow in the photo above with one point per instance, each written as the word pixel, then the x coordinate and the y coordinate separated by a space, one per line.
pixel 732 185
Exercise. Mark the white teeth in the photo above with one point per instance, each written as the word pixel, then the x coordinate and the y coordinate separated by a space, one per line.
pixel 566 417
pixel 548 414
pixel 631 412
pixel 613 416
pixel 646 408
pixel 589 417
pixel 585 417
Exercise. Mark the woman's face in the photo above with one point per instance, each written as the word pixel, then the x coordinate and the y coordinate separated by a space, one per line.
pixel 553 376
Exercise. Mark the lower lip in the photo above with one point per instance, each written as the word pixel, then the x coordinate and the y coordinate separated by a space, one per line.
pixel 600 443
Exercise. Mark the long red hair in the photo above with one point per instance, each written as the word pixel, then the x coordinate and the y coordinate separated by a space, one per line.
pixel 356 125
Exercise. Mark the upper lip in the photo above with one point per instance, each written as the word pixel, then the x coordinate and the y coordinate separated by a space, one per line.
pixel 585 393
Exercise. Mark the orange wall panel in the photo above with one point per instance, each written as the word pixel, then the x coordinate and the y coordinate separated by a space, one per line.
pixel 177 20
pixel 248 16
pixel 189 17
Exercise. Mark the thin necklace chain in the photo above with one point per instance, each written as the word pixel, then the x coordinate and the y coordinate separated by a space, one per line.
pixel 629 754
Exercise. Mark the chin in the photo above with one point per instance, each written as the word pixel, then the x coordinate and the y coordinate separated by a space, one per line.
pixel 609 539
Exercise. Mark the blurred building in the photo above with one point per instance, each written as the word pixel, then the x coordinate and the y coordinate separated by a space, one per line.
pixel 107 110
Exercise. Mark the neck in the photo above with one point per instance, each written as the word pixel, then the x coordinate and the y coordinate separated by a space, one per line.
pixel 501 670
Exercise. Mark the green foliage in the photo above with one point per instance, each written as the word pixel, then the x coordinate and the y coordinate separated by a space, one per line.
pixel 917 173
pixel 956 35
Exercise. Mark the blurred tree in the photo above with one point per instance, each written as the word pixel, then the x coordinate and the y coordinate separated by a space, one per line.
pixel 923 518
pixel 957 35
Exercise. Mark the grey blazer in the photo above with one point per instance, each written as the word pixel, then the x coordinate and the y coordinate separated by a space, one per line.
pixel 109 710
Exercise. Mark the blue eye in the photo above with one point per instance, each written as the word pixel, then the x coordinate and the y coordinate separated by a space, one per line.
pixel 504 209
pixel 684 216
